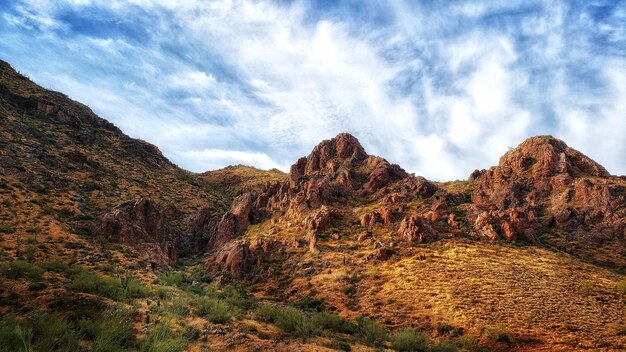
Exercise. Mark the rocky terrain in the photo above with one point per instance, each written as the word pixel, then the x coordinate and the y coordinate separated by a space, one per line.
pixel 346 252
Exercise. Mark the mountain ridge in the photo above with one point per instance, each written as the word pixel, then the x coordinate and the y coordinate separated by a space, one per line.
pixel 356 234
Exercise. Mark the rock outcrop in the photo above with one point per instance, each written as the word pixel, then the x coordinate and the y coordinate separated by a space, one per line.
pixel 140 221
pixel 416 230
pixel 238 257
pixel 544 185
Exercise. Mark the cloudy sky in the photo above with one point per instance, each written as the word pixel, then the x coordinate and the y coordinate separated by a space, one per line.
pixel 439 87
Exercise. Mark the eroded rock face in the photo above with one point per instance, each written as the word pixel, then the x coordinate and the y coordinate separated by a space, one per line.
pixel 238 257
pixel 416 230
pixel 334 169
pixel 541 181
pixel 528 173
pixel 140 221
pixel 384 173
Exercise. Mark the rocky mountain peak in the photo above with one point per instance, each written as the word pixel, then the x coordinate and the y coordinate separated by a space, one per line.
pixel 548 156
pixel 329 155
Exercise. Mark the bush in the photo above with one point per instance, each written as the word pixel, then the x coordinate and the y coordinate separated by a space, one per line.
pixel 214 310
pixel 236 296
pixel 409 340
pixel 134 288
pixel 161 339
pixel 498 333
pixel 38 332
pixel 55 266
pixel 111 331
pixel 173 279
pixel 19 269
pixel 444 346
pixel 87 282
pixel 308 303
pixel 467 342
pixel 178 306
pixel 37 286
pixel 266 312
pixel 370 331
pixel 328 321
pixel 296 322
pixel 162 293
pixel 5 228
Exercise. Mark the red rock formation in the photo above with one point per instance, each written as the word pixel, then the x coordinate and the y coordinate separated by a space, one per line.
pixel 544 176
pixel 239 257
pixel 414 229
pixel 383 174
pixel 139 221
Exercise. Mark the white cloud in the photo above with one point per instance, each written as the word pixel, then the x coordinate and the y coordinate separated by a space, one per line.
pixel 218 158
pixel 437 90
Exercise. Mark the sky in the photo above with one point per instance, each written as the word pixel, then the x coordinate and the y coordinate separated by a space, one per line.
pixel 439 87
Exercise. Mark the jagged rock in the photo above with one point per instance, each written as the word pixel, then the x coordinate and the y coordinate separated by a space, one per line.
pixel 414 229
pixel 321 219
pixel 140 221
pixel 381 254
pixel 542 176
pixel 538 166
pixel 239 257
pixel 383 216
pixel 384 173
pixel 344 149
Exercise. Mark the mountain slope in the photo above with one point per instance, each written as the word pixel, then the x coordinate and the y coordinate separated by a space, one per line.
pixel 526 256
pixel 365 237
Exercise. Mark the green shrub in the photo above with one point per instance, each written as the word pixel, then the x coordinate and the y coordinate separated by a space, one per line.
pixel 37 286
pixel 266 312
pixel 498 333
pixel 236 296
pixel 211 291
pixel 178 306
pixel 190 333
pixel 216 311
pixel 444 346
pixel 111 331
pixel 173 279
pixel 409 340
pixel 308 303
pixel 161 339
pixel 340 345
pixel 6 228
pixel 294 321
pixel 56 266
pixel 87 282
pixel 38 332
pixel 370 331
pixel 162 293
pixel 19 269
pixel 467 342
pixel 328 321
pixel 134 288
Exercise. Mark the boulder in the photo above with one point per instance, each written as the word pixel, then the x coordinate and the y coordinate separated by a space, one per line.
pixel 415 229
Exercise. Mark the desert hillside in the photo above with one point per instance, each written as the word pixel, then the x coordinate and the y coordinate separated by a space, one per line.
pixel 105 245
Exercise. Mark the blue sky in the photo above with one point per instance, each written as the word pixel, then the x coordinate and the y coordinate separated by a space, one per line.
pixel 439 87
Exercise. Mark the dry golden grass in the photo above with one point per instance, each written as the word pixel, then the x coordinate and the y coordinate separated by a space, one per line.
pixel 549 300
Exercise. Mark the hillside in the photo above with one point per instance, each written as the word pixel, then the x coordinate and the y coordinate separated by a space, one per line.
pixel 510 246
pixel 239 179
pixel 106 245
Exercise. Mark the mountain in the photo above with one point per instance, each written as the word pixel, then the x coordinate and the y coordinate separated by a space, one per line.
pixel 107 245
